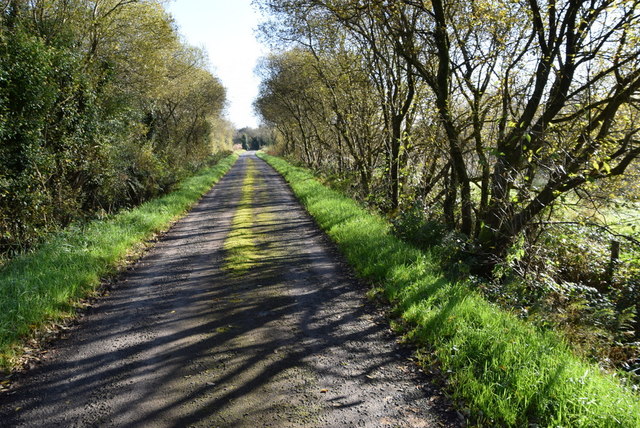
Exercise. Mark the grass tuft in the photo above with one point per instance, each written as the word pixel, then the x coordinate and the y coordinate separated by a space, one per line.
pixel 240 246
pixel 503 369
pixel 46 285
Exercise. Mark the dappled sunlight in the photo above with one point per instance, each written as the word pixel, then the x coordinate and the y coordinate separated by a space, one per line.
pixel 182 341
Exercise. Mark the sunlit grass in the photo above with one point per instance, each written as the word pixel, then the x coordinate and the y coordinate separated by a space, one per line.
pixel 504 370
pixel 46 285
pixel 620 216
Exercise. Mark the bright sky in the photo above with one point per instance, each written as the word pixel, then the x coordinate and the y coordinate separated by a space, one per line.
pixel 225 28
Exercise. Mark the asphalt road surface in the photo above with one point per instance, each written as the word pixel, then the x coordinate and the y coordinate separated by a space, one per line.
pixel 181 341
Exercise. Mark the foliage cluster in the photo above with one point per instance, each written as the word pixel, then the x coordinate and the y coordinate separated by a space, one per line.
pixel 506 371
pixel 48 284
pixel 102 106
pixel 489 112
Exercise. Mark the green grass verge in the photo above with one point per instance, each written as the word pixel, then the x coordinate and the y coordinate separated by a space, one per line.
pixel 503 369
pixel 240 246
pixel 47 284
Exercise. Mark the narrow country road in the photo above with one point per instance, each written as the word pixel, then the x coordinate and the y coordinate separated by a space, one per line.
pixel 189 338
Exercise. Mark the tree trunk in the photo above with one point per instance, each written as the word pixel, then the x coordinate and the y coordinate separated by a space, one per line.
pixel 396 140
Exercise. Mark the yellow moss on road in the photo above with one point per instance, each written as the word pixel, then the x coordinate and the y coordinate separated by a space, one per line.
pixel 241 252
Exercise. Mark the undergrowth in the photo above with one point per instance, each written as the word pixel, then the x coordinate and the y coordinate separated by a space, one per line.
pixel 558 276
pixel 47 284
pixel 503 369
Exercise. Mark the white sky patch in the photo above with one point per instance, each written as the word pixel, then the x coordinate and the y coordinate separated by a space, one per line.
pixel 225 28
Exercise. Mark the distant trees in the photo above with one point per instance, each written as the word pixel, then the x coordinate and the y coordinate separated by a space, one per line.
pixel 253 138
pixel 101 106
pixel 490 112
pixel 321 105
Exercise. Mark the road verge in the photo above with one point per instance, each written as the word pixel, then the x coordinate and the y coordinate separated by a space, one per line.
pixel 502 370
